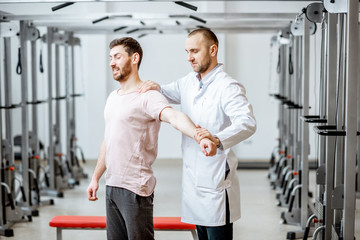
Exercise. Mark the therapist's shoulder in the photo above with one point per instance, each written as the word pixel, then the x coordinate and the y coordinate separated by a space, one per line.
pixel 187 77
pixel 227 83
pixel 180 83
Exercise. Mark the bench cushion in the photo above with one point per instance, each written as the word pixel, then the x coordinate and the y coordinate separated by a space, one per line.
pixel 171 223
pixel 78 222
pixel 160 223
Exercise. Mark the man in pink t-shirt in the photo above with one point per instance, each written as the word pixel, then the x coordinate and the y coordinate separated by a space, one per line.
pixel 129 148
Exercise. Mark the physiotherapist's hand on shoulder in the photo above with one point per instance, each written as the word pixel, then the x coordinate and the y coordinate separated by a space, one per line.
pixel 91 190
pixel 208 147
pixel 149 85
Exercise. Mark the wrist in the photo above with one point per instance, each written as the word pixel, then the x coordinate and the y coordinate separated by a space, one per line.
pixel 217 142
pixel 95 178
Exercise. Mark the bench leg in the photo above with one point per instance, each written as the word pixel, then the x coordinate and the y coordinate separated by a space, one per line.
pixel 58 234
pixel 194 234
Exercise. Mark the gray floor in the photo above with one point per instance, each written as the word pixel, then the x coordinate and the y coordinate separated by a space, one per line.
pixel 260 217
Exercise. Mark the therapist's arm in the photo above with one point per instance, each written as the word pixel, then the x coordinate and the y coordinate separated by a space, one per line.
pixel 183 123
pixel 243 124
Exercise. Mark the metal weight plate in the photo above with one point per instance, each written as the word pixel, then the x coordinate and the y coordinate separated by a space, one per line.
pixel 314 12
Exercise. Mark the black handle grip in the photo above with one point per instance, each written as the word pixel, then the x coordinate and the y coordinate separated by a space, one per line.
pixel 68 166
pixel 291 204
pixel 18 66
pixel 41 62
pixel 61 171
pixel 284 187
pixel 11 201
pixel 23 193
pixel 37 190
pixel 283 181
pixel 47 182
pixel 291 68
pixel 306 233
pixel 288 195
pixel 36 186
pixel 278 66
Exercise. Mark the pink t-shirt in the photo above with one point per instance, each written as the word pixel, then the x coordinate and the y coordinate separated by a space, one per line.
pixel 132 126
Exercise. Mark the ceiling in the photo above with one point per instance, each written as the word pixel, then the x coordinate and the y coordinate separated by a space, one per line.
pixel 153 17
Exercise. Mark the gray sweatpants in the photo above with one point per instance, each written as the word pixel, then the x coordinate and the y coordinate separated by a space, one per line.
pixel 128 215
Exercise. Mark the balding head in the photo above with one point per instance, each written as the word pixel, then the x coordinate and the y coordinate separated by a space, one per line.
pixel 209 37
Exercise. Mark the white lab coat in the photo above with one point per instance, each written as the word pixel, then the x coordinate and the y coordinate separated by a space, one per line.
pixel 221 107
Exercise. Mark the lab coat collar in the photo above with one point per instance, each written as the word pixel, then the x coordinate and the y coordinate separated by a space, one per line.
pixel 209 77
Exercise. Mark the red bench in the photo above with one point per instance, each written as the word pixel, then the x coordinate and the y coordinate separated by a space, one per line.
pixel 99 222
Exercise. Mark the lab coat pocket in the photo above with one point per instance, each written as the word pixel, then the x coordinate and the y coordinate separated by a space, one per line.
pixel 210 172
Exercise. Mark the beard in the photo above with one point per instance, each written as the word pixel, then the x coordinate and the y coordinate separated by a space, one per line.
pixel 124 72
pixel 201 68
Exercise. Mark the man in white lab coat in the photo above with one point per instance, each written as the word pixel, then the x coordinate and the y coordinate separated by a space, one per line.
pixel 218 105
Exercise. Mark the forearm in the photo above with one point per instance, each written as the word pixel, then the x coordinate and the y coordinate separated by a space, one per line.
pixel 179 120
pixel 237 133
pixel 184 124
pixel 236 106
pixel 100 165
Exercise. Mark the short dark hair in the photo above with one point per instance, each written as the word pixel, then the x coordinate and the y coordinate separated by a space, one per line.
pixel 208 35
pixel 130 45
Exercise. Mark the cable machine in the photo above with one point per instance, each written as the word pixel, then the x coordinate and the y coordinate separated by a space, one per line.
pixel 29 172
pixel 331 214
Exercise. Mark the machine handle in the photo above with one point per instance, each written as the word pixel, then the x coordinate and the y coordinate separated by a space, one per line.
pixel 18 66
pixel 11 201
pixel 23 193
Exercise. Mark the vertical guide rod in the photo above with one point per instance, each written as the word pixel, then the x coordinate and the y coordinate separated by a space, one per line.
pixel 24 110
pixel 49 40
pixel 67 108
pixel 57 102
pixel 282 73
pixel 351 118
pixel 331 116
pixel 2 203
pixel 8 98
pixel 34 128
pixel 73 92
pixel 305 126
pixel 358 141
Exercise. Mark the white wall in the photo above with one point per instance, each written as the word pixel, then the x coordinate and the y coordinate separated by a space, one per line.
pixel 246 58
pixel 248 61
